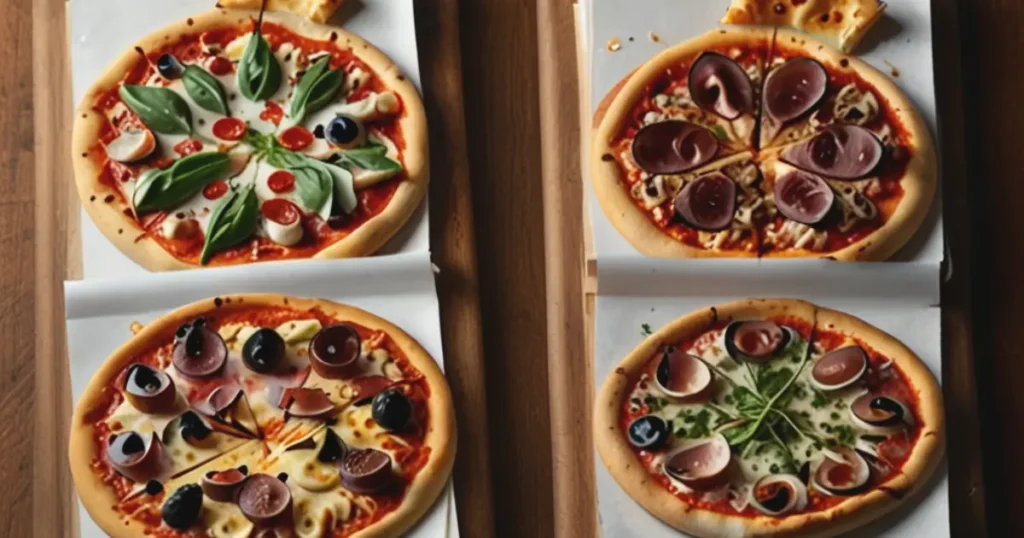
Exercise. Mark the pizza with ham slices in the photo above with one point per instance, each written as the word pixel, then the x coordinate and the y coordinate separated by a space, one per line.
pixel 770 417
pixel 263 415
pixel 762 143
pixel 236 137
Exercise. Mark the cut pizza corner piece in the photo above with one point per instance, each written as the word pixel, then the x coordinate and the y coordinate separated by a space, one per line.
pixel 843 24
pixel 315 10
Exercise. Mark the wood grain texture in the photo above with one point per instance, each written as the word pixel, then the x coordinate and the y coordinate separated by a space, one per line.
pixel 499 44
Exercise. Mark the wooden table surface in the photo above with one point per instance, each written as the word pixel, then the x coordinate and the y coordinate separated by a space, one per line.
pixel 499 43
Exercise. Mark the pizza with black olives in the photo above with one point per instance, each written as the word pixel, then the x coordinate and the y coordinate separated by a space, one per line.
pixel 236 136
pixel 770 417
pixel 833 159
pixel 263 415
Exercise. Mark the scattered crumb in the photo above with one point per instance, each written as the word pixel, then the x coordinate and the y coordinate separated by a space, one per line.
pixel 614 44
pixel 893 71
pixel 630 39
pixel 135 327
pixel 654 37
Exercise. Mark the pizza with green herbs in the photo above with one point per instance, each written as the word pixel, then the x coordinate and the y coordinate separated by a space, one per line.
pixel 770 417
pixel 236 137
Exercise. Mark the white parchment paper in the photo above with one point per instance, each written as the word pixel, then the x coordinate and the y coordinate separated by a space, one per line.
pixel 399 288
pixel 101 30
pixel 899 298
pixel 901 41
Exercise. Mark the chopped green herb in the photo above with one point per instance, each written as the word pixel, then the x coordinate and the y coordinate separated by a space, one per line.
pixel 774 468
pixel 847 436
pixel 834 415
pixel 654 404
pixel 820 400
pixel 680 433
pixel 645 329
pixel 728 399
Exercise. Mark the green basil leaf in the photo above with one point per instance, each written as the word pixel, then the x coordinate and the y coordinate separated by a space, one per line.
pixel 184 179
pixel 371 157
pixel 232 221
pixel 205 89
pixel 344 188
pixel 313 185
pixel 144 185
pixel 259 74
pixel 160 109
pixel 306 84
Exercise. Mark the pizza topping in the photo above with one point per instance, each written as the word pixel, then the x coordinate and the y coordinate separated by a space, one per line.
pixel 755 341
pixel 648 432
pixel 880 414
pixel 345 132
pixel 366 471
pixel 708 202
pixel 794 88
pixel 149 390
pixel 840 151
pixel 137 457
pixel 295 138
pixel 182 508
pixel 333 349
pixel 215 190
pixel 193 428
pixel 265 499
pixel 391 409
pixel 223 486
pixel 132 144
pixel 229 129
pixel 779 494
pixel 673 146
pixel 198 351
pixel 839 368
pixel 366 387
pixel 220 66
pixel 333 449
pixel 281 181
pixel 718 84
pixel 307 402
pixel 264 351
pixel 682 375
pixel 283 221
pixel 169 67
pixel 803 197
pixel 844 477
pixel 700 465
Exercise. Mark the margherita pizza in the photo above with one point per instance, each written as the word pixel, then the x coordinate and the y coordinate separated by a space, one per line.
pixel 263 415
pixel 762 143
pixel 232 138
pixel 770 417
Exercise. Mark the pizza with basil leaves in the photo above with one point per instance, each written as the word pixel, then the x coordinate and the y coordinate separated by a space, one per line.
pixel 834 160
pixel 236 137
pixel 263 415
pixel 770 417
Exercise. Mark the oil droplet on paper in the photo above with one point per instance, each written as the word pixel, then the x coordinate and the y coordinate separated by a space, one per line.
pixel 654 37
pixel 614 44
pixel 893 71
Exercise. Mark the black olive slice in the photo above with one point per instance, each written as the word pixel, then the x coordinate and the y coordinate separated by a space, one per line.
pixel 264 351
pixel 391 409
pixel 648 432
pixel 333 449
pixel 333 349
pixel 181 510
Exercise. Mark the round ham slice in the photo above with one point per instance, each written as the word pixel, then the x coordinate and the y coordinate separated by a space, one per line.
pixel 755 341
pixel 199 352
pixel 673 147
pixel 701 465
pixel 845 152
pixel 265 500
pixel 682 375
pixel 138 457
pixel 839 368
pixel 708 202
pixel 366 471
pixel 842 478
pixel 803 197
pixel 794 88
pixel 719 85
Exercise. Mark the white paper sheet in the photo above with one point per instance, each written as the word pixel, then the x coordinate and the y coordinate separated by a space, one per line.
pixel 399 288
pixel 901 40
pixel 898 298
pixel 388 24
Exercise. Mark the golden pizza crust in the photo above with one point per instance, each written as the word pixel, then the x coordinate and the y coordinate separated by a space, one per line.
pixel 420 495
pixel 841 22
pixel 315 10
pixel 605 172
pixel 630 473
pixel 125 233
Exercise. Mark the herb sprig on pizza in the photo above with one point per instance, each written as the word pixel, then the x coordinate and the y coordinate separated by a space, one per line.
pixel 238 136
pixel 762 143
pixel 770 417
pixel 262 415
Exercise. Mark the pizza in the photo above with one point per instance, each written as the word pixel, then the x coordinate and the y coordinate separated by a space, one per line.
pixel 315 10
pixel 762 143
pixel 842 23
pixel 235 137
pixel 263 415
pixel 770 417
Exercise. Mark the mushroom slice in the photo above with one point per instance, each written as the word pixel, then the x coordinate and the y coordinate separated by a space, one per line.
pixel 333 349
pixel 880 414
pixel 149 390
pixel 682 375
pixel 839 368
pixel 133 144
pixel 779 494
pixel 842 478
pixel 700 465
pixel 756 341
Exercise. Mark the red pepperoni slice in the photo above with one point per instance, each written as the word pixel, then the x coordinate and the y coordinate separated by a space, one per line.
pixel 188 147
pixel 229 129
pixel 215 190
pixel 221 66
pixel 272 113
pixel 296 138
pixel 281 181
pixel 280 211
